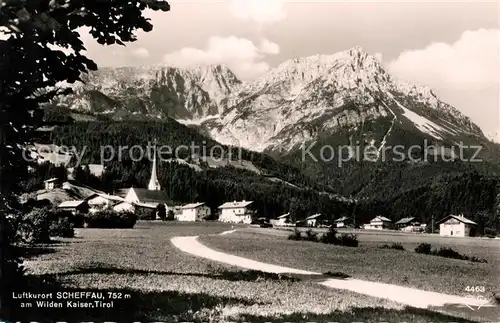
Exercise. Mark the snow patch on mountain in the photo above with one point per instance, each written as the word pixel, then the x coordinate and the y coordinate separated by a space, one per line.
pixel 197 122
pixel 423 124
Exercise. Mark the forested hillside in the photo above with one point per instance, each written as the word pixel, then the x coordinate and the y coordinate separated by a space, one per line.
pixel 276 189
pixel 393 189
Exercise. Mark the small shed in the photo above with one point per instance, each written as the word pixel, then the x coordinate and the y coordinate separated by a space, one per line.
pixel 78 206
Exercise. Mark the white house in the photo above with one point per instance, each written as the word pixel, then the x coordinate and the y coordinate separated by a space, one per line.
pixel 283 220
pixel 410 224
pixel 312 220
pixel 193 212
pixel 456 226
pixel 236 212
pixel 379 223
pixel 51 183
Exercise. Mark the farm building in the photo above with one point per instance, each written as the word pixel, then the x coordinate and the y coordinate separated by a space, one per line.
pixel 405 222
pixel 283 220
pixel 415 228
pixel 456 226
pixel 193 212
pixel 236 212
pixel 313 220
pixel 51 183
pixel 74 207
pixel 379 223
pixel 343 222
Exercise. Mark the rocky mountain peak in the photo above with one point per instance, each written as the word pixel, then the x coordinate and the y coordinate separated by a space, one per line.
pixel 295 102
pixel 318 95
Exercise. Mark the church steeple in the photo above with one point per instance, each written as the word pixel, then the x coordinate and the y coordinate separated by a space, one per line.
pixel 154 184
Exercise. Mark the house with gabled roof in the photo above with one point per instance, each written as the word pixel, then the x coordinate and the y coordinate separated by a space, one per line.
pixel 283 220
pixel 313 220
pixel 410 224
pixel 343 222
pixel 456 226
pixel 379 223
pixel 77 206
pixel 405 222
pixel 236 212
pixel 193 212
pixel 145 196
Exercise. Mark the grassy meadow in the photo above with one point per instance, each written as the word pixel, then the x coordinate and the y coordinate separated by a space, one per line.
pixel 370 262
pixel 167 285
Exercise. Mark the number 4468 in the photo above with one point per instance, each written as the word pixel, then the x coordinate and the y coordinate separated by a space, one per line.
pixel 475 289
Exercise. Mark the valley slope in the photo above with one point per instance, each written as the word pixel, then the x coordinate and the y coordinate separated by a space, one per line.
pixel 342 100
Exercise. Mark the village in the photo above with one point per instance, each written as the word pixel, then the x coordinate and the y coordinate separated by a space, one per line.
pixel 152 201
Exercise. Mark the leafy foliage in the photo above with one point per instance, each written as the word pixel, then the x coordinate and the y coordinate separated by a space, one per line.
pixel 330 237
pixel 34 227
pixel 62 227
pixel 295 235
pixel 311 236
pixel 348 240
pixel 426 249
pixel 42 172
pixel 38 224
pixel 145 213
pixel 33 68
pixel 109 219
pixel 395 246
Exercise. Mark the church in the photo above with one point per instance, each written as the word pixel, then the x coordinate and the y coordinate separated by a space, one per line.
pixel 150 198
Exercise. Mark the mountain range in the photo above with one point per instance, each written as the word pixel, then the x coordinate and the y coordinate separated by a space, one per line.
pixel 303 100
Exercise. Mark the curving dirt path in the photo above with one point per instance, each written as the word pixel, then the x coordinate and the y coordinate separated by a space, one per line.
pixel 404 295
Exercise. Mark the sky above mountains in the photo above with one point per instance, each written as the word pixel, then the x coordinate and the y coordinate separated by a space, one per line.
pixel 451 46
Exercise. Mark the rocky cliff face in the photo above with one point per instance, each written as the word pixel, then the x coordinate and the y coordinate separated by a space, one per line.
pixel 158 92
pixel 319 95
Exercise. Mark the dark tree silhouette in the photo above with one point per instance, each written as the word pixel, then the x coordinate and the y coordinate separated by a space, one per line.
pixel 32 69
pixel 161 211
